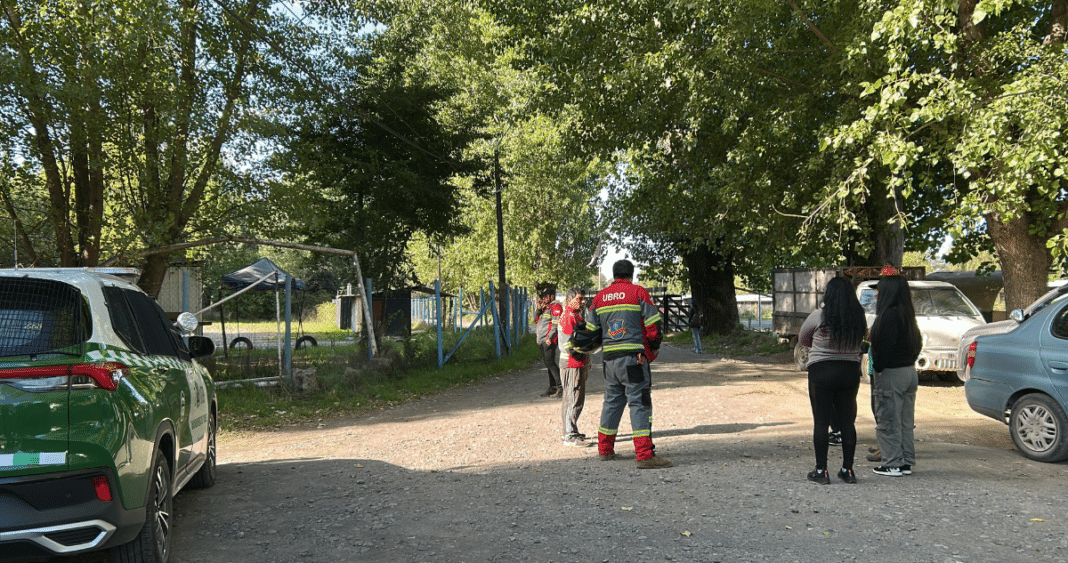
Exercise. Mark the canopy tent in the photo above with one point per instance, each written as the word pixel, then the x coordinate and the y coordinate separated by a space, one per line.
pixel 248 275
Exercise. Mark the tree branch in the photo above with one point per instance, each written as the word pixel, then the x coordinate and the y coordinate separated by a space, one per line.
pixel 812 27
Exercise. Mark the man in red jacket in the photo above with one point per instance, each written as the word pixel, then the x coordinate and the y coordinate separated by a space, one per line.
pixel 574 368
pixel 546 322
pixel 629 326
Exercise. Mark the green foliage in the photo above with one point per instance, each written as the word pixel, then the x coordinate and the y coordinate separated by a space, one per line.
pixel 133 115
pixel 371 171
pixel 970 109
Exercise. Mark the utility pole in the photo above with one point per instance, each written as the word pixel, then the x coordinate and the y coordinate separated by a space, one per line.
pixel 503 289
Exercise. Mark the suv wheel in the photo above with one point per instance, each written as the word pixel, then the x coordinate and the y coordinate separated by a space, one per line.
pixel 205 477
pixel 153 542
pixel 1039 428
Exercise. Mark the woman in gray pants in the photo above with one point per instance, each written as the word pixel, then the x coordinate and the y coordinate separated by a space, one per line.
pixel 895 345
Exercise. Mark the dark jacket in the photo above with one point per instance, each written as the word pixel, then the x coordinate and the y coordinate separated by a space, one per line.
pixel 695 317
pixel 890 346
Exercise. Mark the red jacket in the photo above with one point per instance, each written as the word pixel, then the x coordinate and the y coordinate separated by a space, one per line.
pixel 628 320
pixel 567 328
pixel 546 323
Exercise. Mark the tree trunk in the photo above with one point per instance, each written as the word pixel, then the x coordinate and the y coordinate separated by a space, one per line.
pixel 711 274
pixel 152 273
pixel 884 239
pixel 1025 260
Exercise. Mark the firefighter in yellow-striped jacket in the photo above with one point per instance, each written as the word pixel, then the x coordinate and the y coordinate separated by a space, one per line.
pixel 629 327
pixel 547 324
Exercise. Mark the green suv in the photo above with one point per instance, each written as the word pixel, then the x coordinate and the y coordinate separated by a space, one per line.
pixel 104 415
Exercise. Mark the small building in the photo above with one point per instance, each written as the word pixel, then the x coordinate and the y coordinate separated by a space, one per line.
pixel 392 309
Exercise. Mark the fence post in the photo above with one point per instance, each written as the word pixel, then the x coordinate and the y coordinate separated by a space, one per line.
pixel 459 310
pixel 760 312
pixel 369 330
pixel 515 316
pixel 437 298
pixel 289 330
pixel 496 325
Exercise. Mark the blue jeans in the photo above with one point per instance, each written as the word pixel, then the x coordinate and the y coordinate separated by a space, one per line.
pixel 696 341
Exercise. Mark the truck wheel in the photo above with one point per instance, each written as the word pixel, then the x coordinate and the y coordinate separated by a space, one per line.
pixel 800 356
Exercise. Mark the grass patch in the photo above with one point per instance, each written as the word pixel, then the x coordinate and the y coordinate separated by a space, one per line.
pixel 740 342
pixel 404 370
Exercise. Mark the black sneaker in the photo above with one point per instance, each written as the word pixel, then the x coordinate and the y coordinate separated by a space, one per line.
pixel 847 476
pixel 834 439
pixel 550 392
pixel 819 476
pixel 906 470
pixel 888 471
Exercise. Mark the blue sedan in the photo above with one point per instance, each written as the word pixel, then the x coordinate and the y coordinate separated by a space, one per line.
pixel 1016 371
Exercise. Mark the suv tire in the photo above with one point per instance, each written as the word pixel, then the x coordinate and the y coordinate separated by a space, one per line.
pixel 205 476
pixel 153 542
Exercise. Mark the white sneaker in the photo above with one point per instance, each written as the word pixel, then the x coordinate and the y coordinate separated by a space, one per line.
pixel 888 471
pixel 578 442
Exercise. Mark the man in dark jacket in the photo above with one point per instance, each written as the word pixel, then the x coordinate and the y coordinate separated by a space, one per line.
pixel 629 326
pixel 547 322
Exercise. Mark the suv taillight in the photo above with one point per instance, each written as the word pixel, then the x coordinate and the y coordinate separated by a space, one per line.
pixel 104 375
pixel 971 354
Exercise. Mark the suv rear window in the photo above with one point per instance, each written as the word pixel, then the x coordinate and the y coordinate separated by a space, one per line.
pixel 39 316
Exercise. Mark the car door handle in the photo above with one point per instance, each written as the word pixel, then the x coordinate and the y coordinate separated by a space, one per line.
pixel 1058 366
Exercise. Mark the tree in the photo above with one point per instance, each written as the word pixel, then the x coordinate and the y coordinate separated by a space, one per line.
pixel 374 168
pixel 714 113
pixel 549 217
pixel 128 110
pixel 973 104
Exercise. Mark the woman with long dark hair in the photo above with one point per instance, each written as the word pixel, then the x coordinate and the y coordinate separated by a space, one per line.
pixel 895 344
pixel 834 335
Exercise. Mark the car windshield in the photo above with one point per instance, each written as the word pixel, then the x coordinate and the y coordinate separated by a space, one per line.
pixel 867 300
pixel 939 302
pixel 41 316
pixel 928 302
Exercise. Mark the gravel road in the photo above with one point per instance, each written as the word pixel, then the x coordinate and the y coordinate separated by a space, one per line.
pixel 479 474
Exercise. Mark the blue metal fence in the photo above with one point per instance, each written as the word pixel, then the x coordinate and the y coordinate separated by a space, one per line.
pixel 439 311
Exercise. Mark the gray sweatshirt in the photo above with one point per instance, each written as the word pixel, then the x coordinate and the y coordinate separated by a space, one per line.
pixel 818 339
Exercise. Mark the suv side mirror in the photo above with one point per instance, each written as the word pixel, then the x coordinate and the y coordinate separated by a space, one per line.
pixel 1017 315
pixel 201 346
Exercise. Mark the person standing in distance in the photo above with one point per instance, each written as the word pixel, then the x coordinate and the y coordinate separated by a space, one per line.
pixel 574 368
pixel 695 327
pixel 629 326
pixel 546 322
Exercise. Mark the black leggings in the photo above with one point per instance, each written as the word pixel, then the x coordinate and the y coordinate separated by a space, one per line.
pixel 550 356
pixel 832 390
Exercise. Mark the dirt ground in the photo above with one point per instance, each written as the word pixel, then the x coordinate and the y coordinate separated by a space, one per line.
pixel 480 474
